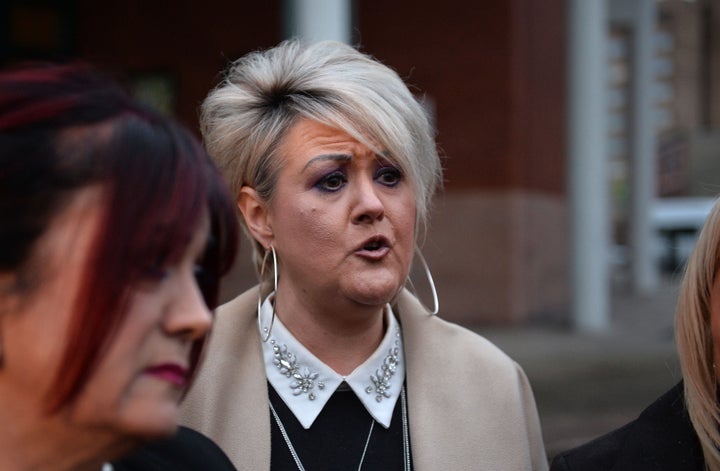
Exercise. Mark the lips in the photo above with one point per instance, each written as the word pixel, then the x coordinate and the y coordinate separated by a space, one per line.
pixel 374 248
pixel 171 372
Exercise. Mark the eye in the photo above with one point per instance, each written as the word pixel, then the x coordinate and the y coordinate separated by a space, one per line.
pixel 202 277
pixel 155 272
pixel 388 176
pixel 206 281
pixel 331 182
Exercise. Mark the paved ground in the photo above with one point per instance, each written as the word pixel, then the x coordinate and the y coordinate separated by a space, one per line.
pixel 586 385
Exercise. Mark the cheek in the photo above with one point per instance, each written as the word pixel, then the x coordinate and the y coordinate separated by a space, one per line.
pixel 403 220
pixel 405 215
pixel 130 351
pixel 303 226
pixel 34 342
pixel 119 395
pixel 118 369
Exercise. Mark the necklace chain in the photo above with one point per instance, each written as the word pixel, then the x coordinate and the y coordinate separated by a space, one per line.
pixel 406 441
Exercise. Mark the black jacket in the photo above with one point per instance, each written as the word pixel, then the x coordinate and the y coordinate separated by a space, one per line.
pixel 188 450
pixel 661 438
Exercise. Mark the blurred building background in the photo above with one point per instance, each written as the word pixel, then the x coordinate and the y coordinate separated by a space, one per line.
pixel 526 191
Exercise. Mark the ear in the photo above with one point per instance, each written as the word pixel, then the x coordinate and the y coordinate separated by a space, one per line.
pixel 256 215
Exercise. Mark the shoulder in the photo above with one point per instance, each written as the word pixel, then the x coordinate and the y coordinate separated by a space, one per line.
pixel 661 438
pixel 452 351
pixel 463 340
pixel 239 309
pixel 235 322
pixel 598 454
pixel 449 364
pixel 188 450
pixel 456 344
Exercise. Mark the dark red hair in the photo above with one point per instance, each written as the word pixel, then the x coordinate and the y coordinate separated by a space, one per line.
pixel 157 181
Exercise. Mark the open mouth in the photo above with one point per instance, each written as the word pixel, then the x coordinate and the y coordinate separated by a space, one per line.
pixel 375 245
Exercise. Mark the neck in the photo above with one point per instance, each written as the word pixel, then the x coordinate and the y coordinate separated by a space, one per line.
pixel 341 335
pixel 39 442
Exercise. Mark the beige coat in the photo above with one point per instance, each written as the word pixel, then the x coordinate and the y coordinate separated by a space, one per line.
pixel 470 406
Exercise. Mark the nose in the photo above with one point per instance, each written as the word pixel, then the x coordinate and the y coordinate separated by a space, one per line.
pixel 188 316
pixel 368 206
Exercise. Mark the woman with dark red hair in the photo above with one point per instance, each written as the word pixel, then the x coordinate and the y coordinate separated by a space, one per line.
pixel 115 229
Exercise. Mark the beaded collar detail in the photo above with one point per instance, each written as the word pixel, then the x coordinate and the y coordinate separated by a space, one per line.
pixel 305 383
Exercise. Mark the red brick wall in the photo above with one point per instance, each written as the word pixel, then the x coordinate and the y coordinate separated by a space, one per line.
pixel 495 71
pixel 190 41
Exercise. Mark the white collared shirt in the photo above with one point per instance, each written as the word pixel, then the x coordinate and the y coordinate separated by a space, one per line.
pixel 305 383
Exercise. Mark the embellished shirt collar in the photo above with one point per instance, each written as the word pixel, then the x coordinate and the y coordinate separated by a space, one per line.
pixel 305 383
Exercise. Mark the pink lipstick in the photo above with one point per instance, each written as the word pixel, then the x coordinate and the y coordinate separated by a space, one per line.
pixel 170 372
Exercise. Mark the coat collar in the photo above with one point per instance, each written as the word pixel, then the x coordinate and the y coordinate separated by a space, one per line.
pixel 305 383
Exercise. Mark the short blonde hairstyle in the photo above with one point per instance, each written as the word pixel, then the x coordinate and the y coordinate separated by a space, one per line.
pixel 693 337
pixel 245 118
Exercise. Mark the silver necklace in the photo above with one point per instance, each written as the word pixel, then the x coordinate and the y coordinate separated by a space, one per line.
pixel 406 441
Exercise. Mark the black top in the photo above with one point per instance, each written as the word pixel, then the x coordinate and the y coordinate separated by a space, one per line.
pixel 337 437
pixel 660 439
pixel 188 450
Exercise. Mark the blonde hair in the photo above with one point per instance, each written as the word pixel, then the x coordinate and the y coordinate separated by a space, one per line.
pixel 245 119
pixel 693 337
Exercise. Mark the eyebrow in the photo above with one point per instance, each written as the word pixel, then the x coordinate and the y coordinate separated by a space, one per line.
pixel 323 157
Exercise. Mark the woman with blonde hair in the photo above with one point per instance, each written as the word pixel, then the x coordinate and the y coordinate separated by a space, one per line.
pixel 330 361
pixel 697 336
pixel 680 430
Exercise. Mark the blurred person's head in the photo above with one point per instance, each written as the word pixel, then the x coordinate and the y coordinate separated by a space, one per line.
pixel 278 110
pixel 697 336
pixel 115 229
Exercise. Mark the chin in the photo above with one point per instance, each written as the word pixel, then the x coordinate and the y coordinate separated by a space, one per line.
pixel 376 295
pixel 151 422
pixel 152 431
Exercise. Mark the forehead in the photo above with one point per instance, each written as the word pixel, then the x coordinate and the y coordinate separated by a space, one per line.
pixel 60 253
pixel 307 141
pixel 202 235
pixel 76 221
pixel 307 135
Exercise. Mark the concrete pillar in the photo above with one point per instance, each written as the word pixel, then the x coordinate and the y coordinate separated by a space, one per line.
pixel 588 188
pixel 643 188
pixel 315 20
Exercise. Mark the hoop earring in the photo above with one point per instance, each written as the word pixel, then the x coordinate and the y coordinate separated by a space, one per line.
pixel 267 330
pixel 436 303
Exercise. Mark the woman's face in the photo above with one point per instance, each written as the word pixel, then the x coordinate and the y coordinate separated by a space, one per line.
pixel 135 389
pixel 342 219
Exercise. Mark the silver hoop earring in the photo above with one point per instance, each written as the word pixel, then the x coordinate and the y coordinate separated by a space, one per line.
pixel 266 331
pixel 436 303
